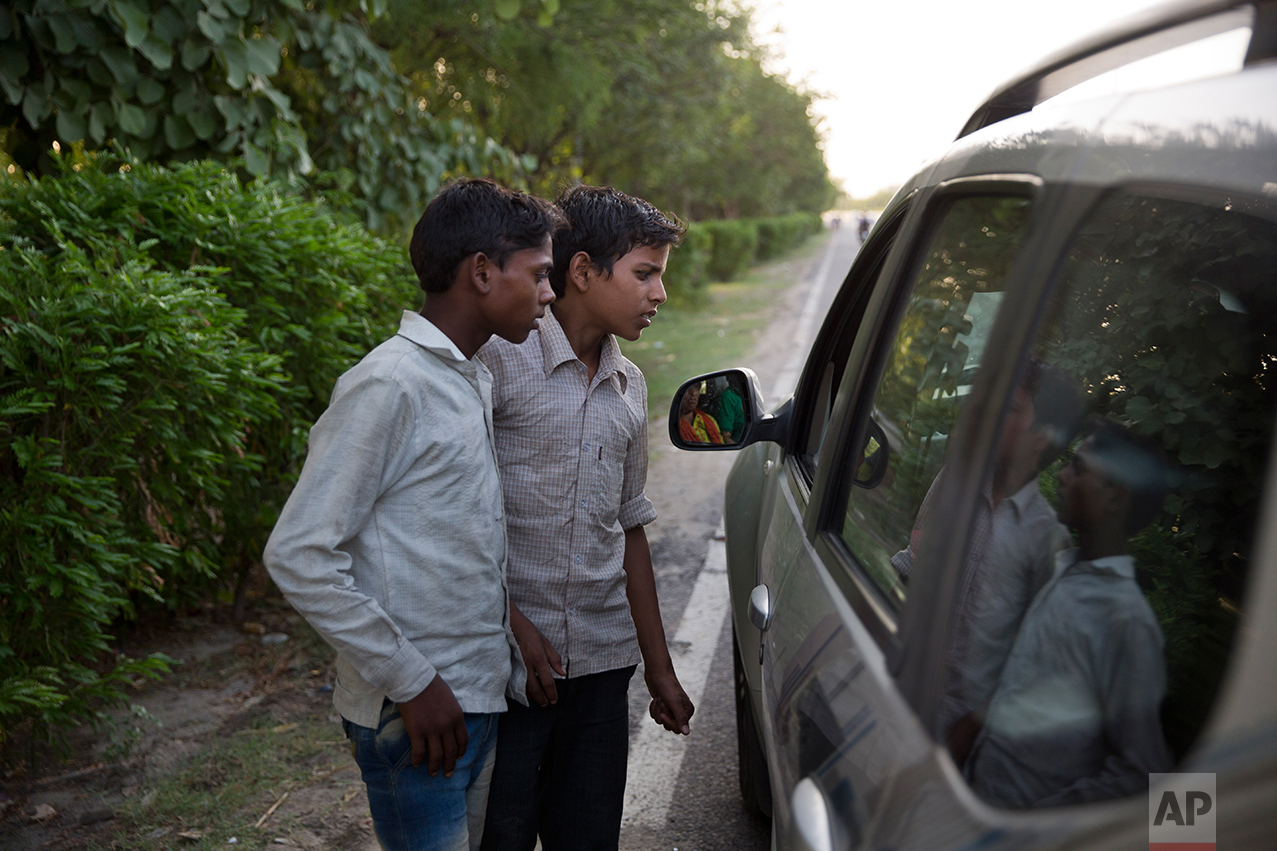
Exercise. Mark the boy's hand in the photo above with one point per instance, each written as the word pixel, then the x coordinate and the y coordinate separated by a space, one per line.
pixel 435 724
pixel 670 706
pixel 542 660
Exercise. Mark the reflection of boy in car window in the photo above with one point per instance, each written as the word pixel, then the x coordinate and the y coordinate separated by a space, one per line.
pixel 1014 542
pixel 1076 716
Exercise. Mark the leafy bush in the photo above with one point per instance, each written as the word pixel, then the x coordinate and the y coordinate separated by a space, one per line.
pixel 685 275
pixel 124 399
pixel 286 86
pixel 169 337
pixel 735 244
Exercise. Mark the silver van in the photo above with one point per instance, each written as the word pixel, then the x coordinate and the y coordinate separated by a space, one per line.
pixel 1004 568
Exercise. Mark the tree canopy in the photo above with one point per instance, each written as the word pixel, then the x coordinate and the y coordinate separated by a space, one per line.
pixel 667 99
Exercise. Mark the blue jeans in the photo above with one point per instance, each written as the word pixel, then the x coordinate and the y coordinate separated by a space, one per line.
pixel 560 770
pixel 412 811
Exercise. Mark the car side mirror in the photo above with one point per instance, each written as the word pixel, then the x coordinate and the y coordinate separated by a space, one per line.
pixel 723 410
pixel 875 456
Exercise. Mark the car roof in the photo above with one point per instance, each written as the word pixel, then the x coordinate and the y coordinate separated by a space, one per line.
pixel 1144 34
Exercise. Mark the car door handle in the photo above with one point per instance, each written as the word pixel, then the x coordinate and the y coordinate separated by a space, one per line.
pixel 812 827
pixel 760 607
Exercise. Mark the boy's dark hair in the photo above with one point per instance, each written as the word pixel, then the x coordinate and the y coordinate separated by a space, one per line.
pixel 1057 406
pixel 606 224
pixel 1131 461
pixel 474 215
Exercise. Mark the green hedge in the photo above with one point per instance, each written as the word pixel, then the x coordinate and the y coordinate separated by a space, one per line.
pixel 168 338
pixel 735 247
pixel 685 275
pixel 778 234
pixel 722 249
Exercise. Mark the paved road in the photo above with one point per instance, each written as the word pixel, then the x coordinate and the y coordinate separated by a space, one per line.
pixel 682 793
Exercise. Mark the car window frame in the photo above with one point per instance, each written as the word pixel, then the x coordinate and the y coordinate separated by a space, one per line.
pixel 869 355
pixel 836 333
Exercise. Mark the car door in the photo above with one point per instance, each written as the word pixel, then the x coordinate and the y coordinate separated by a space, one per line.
pixel 1147 355
pixel 835 555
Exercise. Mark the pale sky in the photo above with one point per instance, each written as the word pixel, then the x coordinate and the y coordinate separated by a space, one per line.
pixel 902 76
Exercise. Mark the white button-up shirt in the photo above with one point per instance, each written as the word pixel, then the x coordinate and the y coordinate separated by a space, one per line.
pixel 392 543
pixel 573 454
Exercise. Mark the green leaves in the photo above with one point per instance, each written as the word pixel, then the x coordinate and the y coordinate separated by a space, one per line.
pixel 134 17
pixel 286 90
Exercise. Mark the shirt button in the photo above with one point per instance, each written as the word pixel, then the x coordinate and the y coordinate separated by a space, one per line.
pixel 577 559
pixel 583 503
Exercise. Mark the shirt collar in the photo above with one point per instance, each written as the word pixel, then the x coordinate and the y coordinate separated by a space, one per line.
pixel 423 332
pixel 1020 499
pixel 556 350
pixel 1123 565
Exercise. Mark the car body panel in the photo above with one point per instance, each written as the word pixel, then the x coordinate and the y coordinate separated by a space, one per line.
pixel 847 695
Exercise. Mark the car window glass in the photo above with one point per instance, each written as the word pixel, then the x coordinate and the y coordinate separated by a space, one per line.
pixel 930 364
pixel 817 406
pixel 1100 598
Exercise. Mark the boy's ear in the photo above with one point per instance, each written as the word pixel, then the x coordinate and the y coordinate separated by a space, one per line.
pixel 477 268
pixel 579 271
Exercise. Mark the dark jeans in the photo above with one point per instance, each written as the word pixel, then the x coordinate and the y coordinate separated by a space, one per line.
pixel 560 769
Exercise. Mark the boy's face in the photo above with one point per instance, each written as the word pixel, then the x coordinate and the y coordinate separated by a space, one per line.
pixel 519 292
pixel 1087 497
pixel 626 303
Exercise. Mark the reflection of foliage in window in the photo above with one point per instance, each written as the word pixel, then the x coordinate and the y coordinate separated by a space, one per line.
pixel 1166 317
pixel 971 252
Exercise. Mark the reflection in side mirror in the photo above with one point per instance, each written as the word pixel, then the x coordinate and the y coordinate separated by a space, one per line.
pixel 711 411
pixel 874 458
pixel 719 410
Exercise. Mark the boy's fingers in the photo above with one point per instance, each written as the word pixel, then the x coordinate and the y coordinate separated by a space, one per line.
pixel 449 753
pixel 463 737
pixel 418 740
pixel 436 755
pixel 661 715
pixel 534 691
pixel 556 661
pixel 547 685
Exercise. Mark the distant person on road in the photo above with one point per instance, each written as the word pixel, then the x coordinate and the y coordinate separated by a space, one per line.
pixel 392 543
pixel 1077 713
pixel 862 227
pixel 571 437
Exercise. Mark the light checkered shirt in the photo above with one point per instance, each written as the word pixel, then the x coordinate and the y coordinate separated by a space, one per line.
pixel 573 460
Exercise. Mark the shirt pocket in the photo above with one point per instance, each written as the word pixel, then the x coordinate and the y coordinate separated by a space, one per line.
pixel 615 447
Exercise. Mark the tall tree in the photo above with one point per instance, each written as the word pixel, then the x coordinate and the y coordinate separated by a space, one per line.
pixel 665 98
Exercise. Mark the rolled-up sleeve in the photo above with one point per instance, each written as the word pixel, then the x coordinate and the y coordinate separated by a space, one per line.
pixel 363 441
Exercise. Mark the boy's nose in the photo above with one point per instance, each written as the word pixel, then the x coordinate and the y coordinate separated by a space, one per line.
pixel 658 295
pixel 545 293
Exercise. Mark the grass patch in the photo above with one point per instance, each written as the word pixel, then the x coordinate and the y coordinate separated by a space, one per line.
pixel 689 340
pixel 228 786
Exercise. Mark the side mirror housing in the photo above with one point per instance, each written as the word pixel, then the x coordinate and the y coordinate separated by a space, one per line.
pixel 723 410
